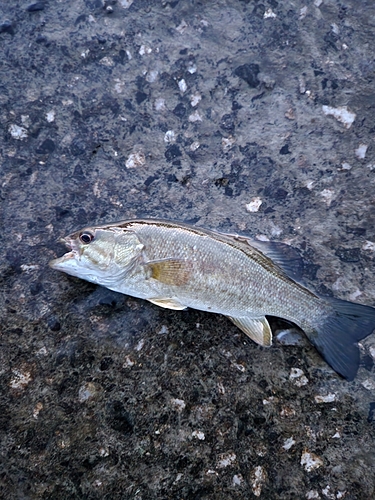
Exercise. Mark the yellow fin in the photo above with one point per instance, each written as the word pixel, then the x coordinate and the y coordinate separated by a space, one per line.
pixel 167 303
pixel 257 329
pixel 170 271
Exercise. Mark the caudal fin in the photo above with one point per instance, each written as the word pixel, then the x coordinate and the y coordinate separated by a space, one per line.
pixel 336 338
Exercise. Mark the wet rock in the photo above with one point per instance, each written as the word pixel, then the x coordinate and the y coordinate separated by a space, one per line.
pixel 54 324
pixel 227 123
pixel 78 147
pixel 248 73
pixel 35 7
pixel 348 254
pixel 285 150
pixel 140 97
pixel 172 152
pixel 180 110
pixel 118 418
pixel 47 146
pixel 6 27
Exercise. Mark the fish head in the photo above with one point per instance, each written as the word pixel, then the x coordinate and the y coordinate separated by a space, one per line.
pixel 101 255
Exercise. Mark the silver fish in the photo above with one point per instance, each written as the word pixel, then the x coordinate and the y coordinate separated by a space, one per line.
pixel 177 266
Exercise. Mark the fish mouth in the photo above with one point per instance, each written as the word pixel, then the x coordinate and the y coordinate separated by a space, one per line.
pixel 57 263
pixel 72 254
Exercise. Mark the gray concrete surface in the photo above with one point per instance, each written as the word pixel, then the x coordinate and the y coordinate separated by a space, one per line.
pixel 243 116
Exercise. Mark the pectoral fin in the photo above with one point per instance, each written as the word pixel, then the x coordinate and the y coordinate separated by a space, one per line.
pixel 170 271
pixel 167 303
pixel 257 329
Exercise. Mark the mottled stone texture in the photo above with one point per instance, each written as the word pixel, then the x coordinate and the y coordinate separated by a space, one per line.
pixel 187 110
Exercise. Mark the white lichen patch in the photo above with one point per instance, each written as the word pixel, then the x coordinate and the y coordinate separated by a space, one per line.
pixel 328 398
pixel 328 196
pixel 354 295
pixel 345 166
pixel 258 477
pixel 170 137
pixel 50 116
pixel 140 345
pixel 27 268
pixel 225 460
pixel 199 435
pixel 20 379
pixel 290 114
pixel 254 204
pixel 192 68
pixel 86 392
pixel 369 245
pixel 182 85
pixel 182 26
pixel 17 132
pixel 302 13
pixel 288 443
pixel 227 142
pixel 269 14
pixel 297 377
pixel 287 412
pixel 312 494
pixel 237 480
pixel 37 409
pixel 195 99
pixel 137 159
pixel 163 330
pixel 369 384
pixel 128 362
pixel 107 61
pixel 160 104
pixel 178 404
pixel 360 152
pixel 152 76
pixel 195 117
pixel 25 119
pixel 144 50
pixel 194 146
pixel 119 85
pixel 342 114
pixel 125 3
pixel 310 461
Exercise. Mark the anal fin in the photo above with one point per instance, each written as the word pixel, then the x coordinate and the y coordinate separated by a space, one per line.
pixel 258 329
pixel 167 303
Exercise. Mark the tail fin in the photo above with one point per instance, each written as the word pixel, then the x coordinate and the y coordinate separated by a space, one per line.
pixel 336 338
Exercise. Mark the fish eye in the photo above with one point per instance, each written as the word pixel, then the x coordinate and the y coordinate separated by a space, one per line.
pixel 86 237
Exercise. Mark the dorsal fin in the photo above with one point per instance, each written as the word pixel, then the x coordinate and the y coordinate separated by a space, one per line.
pixel 283 255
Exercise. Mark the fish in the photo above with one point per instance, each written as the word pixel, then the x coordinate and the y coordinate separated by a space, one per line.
pixel 177 266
